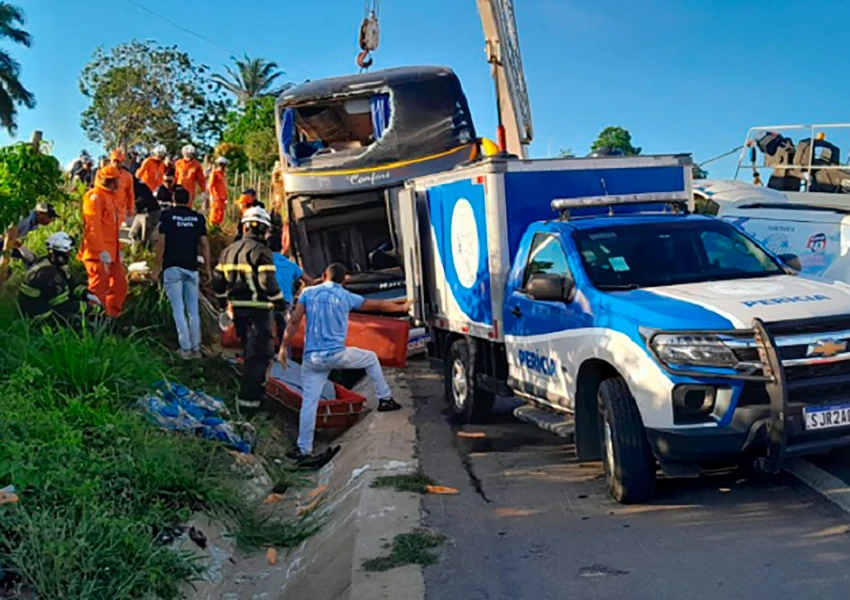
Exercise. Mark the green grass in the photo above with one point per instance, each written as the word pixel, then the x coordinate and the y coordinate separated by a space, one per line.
pixel 412 482
pixel 414 548
pixel 258 530
pixel 97 482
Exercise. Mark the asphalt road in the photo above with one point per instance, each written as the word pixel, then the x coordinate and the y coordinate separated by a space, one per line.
pixel 531 522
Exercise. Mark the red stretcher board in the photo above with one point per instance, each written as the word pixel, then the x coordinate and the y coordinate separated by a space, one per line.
pixel 385 336
pixel 340 413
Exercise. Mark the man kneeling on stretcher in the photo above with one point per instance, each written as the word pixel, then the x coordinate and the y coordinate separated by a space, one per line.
pixel 326 307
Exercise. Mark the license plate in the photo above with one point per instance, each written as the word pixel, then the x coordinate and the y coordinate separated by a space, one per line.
pixel 826 417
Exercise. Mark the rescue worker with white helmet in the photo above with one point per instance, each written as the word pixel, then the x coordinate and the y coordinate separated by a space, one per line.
pixel 152 171
pixel 47 286
pixel 190 173
pixel 245 283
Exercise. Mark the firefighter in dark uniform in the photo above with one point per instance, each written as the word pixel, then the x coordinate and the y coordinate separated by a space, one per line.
pixel 245 282
pixel 47 287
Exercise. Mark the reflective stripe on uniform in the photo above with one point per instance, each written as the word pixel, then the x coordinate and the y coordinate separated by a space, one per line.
pixel 252 285
pixel 30 291
pixel 251 304
pixel 276 297
pixel 266 269
pixel 248 403
pixel 232 267
pixel 61 298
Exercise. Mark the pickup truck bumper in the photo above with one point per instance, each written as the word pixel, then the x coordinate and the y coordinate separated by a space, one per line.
pixel 735 442
pixel 769 419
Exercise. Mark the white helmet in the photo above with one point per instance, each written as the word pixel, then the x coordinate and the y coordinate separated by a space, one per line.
pixel 160 151
pixel 222 161
pixel 188 150
pixel 257 214
pixel 60 242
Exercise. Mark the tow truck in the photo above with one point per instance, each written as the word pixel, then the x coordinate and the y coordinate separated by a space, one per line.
pixel 652 336
pixel 804 208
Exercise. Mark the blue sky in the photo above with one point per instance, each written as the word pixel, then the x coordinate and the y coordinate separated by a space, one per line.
pixel 681 75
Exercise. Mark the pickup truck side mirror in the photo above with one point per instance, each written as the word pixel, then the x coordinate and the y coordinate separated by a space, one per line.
pixel 791 260
pixel 550 288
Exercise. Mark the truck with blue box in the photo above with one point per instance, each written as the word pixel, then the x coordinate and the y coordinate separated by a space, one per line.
pixel 588 289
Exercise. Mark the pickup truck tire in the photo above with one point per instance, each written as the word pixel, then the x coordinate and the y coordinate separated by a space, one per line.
pixel 626 455
pixel 469 403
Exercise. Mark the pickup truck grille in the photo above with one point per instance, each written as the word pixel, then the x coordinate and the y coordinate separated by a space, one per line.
pixel 825 370
pixel 815 354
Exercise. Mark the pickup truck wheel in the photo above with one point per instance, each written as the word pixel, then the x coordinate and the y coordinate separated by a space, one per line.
pixel 469 404
pixel 626 455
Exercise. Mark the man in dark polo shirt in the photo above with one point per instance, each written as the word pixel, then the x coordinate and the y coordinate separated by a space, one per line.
pixel 182 243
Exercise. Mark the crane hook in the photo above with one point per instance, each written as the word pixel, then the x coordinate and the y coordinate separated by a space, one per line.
pixel 370 36
pixel 363 60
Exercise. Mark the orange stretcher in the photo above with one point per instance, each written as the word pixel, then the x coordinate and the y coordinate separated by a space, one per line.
pixel 385 336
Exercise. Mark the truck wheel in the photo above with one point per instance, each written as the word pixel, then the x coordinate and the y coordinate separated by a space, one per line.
pixel 469 404
pixel 626 455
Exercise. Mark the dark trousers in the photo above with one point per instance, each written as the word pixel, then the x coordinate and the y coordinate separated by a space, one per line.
pixel 256 330
pixel 281 318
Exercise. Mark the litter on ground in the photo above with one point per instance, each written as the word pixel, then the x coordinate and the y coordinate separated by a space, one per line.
pixel 175 407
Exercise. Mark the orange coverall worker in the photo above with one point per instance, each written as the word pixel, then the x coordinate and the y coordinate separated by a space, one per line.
pixel 152 172
pixel 125 195
pixel 189 175
pixel 218 196
pixel 100 251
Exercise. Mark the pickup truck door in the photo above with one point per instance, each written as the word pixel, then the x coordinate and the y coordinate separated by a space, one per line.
pixel 534 329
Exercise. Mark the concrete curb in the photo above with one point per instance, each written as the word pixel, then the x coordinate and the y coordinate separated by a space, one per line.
pixel 824 483
pixel 359 522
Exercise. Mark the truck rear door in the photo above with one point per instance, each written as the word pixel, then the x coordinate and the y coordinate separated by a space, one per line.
pixel 411 249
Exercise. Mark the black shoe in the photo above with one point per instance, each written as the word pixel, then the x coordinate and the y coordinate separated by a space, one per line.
pixel 388 405
pixel 313 462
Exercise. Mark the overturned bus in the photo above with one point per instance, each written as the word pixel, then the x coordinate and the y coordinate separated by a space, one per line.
pixel 347 146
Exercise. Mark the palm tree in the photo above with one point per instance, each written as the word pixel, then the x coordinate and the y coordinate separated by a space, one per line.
pixel 252 78
pixel 12 92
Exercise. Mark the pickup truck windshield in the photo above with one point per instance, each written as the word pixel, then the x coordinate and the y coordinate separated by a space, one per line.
pixel 659 254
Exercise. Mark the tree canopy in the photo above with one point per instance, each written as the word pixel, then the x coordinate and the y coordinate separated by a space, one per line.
pixel 143 94
pixel 12 92
pixel 27 176
pixel 253 130
pixel 251 78
pixel 616 137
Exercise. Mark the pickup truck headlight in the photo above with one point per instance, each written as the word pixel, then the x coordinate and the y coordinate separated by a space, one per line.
pixel 702 350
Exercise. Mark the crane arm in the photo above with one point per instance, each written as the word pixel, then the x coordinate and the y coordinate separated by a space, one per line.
pixel 505 58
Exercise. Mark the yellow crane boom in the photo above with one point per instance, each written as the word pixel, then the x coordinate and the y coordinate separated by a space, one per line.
pixel 516 130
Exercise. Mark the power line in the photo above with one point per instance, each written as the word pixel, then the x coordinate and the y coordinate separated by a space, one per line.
pixel 182 28
pixel 724 155
pixel 200 36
